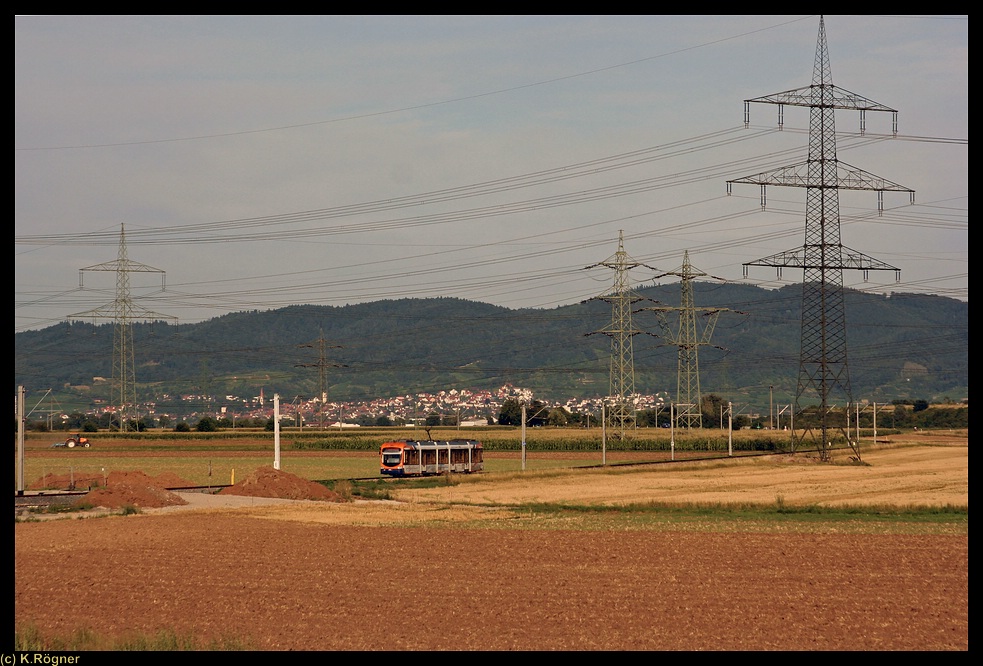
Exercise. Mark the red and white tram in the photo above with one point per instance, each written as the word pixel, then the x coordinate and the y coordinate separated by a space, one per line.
pixel 409 457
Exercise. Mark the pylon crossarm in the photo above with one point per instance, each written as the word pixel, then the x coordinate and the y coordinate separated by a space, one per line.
pixel 798 175
pixel 849 177
pixel 834 98
pixel 860 261
pixel 129 266
pixel 794 175
pixel 133 313
pixel 618 298
pixel 786 259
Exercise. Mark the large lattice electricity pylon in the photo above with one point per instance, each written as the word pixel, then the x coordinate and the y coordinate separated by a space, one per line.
pixel 688 337
pixel 621 393
pixel 123 311
pixel 823 370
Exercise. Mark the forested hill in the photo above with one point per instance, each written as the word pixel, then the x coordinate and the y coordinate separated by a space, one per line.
pixel 899 347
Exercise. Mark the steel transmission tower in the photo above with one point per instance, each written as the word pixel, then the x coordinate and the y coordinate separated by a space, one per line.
pixel 823 370
pixel 321 364
pixel 622 298
pixel 123 311
pixel 689 339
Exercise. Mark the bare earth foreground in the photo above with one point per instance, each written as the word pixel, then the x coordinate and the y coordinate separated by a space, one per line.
pixel 430 573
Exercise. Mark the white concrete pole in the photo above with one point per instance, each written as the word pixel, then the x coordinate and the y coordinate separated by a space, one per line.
pixel 672 431
pixel 604 428
pixel 276 431
pixel 730 428
pixel 20 440
pixel 875 423
pixel 523 436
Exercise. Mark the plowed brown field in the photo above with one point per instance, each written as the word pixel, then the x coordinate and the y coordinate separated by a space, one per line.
pixel 428 573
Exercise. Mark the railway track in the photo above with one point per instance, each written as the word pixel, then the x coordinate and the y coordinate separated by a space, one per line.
pixel 42 500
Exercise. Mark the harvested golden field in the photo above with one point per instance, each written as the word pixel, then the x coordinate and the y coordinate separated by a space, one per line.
pixel 899 475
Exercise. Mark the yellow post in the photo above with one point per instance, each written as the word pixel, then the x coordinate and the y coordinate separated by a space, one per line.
pixel 233 482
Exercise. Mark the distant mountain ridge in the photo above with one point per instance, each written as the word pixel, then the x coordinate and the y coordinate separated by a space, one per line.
pixel 905 346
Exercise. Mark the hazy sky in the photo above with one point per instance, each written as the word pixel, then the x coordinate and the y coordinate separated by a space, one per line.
pixel 263 161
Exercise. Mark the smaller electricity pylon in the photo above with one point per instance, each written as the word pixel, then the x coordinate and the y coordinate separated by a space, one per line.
pixel 621 331
pixel 123 311
pixel 689 339
pixel 321 364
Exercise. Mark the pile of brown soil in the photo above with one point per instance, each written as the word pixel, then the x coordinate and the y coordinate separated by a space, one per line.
pixel 135 489
pixel 67 482
pixel 269 482
pixel 91 481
